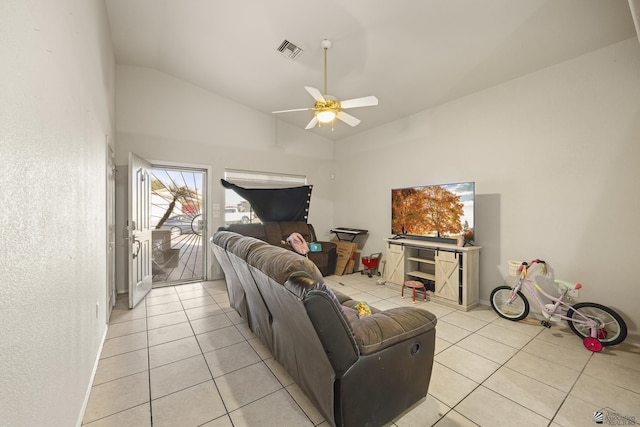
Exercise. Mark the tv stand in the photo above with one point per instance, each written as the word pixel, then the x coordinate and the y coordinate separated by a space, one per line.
pixel 453 271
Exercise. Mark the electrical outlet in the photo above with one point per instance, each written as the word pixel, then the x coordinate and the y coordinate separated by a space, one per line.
pixel 574 293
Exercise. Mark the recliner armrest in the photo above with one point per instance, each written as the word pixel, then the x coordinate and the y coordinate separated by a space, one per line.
pixel 383 329
pixel 325 313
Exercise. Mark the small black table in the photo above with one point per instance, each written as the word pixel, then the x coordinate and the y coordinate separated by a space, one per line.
pixel 348 233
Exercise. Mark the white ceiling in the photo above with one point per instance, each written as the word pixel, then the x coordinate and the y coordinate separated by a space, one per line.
pixel 411 54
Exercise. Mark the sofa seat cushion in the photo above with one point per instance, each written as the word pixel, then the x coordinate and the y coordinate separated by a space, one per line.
pixel 351 314
pixel 385 328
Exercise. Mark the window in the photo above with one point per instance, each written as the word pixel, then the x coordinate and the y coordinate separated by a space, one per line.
pixel 237 209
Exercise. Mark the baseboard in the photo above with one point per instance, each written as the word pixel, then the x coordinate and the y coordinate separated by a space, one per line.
pixel 93 376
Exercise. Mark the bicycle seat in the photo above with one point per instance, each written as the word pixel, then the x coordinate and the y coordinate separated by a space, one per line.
pixel 569 285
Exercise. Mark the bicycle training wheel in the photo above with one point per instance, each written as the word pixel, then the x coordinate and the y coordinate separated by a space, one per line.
pixel 611 331
pixel 509 305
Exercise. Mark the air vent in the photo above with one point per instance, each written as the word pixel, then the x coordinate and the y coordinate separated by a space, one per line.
pixel 289 49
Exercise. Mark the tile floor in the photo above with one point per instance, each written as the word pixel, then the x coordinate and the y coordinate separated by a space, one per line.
pixel 184 358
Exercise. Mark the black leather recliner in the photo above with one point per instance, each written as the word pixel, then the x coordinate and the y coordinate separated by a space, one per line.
pixel 357 371
pixel 276 232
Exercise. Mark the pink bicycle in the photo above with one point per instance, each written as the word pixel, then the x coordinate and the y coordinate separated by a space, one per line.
pixel 596 324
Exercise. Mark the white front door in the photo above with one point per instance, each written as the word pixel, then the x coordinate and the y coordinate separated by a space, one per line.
pixel 139 229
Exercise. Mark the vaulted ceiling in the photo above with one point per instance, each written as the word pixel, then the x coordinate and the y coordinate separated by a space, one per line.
pixel 411 54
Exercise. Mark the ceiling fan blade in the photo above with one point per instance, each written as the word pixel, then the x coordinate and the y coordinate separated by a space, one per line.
pixel 348 118
pixel 288 111
pixel 366 101
pixel 317 95
pixel 312 123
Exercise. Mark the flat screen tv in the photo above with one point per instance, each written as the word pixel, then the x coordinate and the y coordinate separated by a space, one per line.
pixel 434 212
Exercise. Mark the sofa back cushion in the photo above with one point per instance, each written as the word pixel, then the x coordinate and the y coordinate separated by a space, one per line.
pixel 244 245
pixel 279 263
pixel 237 296
pixel 251 230
pixel 222 238
pixel 286 228
pixel 273 233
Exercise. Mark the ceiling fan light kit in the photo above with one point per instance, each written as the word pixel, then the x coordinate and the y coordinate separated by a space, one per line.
pixel 327 108
pixel 326 116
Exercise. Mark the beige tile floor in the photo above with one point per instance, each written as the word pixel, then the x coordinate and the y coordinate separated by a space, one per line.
pixel 184 358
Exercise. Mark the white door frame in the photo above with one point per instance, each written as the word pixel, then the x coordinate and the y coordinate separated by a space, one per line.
pixel 111 228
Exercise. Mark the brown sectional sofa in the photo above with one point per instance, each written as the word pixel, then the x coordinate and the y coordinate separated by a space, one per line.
pixel 357 371
pixel 277 232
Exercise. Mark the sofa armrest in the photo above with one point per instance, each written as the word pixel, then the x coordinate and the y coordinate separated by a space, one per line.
pixel 312 232
pixel 386 328
pixel 330 323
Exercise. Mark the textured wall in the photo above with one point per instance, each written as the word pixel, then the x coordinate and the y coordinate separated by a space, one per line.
pixel 554 157
pixel 56 81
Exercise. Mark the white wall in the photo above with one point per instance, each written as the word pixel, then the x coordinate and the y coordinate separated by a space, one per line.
pixel 554 156
pixel 56 81
pixel 551 154
pixel 165 119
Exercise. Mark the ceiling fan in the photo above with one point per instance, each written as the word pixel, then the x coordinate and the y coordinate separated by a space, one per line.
pixel 327 108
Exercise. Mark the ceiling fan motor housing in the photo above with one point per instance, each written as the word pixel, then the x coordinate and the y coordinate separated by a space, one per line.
pixel 328 104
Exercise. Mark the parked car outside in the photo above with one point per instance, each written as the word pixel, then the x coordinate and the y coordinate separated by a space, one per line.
pixel 233 216
pixel 184 224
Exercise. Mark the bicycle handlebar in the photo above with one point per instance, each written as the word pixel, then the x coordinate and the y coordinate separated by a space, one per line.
pixel 527 265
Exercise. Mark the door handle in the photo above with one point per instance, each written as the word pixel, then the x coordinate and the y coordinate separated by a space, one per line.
pixel 135 255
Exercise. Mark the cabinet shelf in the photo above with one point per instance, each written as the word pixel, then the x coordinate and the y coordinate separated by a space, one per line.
pixel 422 260
pixel 422 275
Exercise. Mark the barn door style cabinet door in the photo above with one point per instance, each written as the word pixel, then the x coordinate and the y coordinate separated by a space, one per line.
pixel 448 276
pixel 452 271
pixel 394 264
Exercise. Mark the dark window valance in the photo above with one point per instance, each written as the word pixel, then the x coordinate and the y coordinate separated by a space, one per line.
pixel 276 204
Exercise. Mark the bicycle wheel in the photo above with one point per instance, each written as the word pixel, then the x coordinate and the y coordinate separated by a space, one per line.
pixel 611 331
pixel 507 305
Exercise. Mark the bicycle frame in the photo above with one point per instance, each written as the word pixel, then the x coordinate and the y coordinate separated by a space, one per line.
pixel 534 290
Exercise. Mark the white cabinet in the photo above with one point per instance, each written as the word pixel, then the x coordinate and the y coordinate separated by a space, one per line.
pixel 394 267
pixel 452 271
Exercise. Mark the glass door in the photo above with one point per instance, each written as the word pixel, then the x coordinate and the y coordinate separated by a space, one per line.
pixel 178 224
